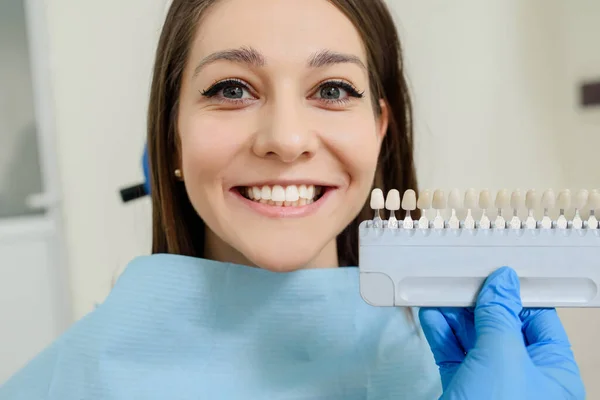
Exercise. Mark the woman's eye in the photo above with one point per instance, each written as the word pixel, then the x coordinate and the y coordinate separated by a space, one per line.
pixel 331 92
pixel 230 90
pixel 337 92
pixel 233 92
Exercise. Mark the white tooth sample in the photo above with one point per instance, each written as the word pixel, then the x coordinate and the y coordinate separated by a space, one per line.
pixel 502 201
pixel 278 193
pixel 424 204
pixel 485 200
pixel 531 203
pixel 516 203
pixel 265 193
pixel 256 193
pixel 593 204
pixel 470 202
pixel 392 204
pixel 303 192
pixel 485 203
pixel 409 200
pixel 470 199
pixel 377 203
pixel 564 199
pixel 409 203
pixel 392 201
pixel 439 200
pixel 454 204
pixel 291 193
pixel 548 201
pixel 563 202
pixel 581 198
pixel 439 203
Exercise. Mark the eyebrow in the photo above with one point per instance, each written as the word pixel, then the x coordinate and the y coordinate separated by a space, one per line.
pixel 252 57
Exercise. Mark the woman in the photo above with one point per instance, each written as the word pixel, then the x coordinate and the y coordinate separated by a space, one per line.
pixel 270 121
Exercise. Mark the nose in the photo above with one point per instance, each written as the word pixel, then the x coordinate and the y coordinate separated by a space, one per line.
pixel 285 133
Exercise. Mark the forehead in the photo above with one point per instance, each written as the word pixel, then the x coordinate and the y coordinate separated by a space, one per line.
pixel 286 30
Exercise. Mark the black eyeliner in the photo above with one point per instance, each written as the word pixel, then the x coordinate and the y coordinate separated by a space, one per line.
pixel 352 91
pixel 217 87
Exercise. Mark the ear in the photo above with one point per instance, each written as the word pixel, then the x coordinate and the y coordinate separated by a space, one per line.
pixel 382 120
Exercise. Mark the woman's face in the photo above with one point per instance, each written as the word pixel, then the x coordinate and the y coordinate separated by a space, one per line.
pixel 278 134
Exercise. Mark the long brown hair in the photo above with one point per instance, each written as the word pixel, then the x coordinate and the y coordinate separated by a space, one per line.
pixel 177 228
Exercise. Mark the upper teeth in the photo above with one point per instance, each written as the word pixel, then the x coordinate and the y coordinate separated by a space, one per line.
pixel 279 193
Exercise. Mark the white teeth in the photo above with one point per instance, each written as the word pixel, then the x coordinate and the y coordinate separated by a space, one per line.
pixel 279 195
pixel 303 192
pixel 265 193
pixel 291 193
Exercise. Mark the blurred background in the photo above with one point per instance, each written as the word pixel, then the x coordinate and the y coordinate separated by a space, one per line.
pixel 497 89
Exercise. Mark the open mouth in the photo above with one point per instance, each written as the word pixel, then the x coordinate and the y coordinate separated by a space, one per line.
pixel 283 196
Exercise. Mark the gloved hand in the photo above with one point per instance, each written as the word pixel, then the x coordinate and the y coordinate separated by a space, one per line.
pixel 500 350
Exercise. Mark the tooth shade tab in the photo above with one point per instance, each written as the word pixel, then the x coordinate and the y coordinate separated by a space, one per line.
pixel 409 200
pixel 439 200
pixel 424 202
pixel 470 199
pixel 581 199
pixel 548 199
pixel 531 199
pixel 502 199
pixel 564 199
pixel 377 200
pixel 516 200
pixel 392 201
pixel 485 200
pixel 454 199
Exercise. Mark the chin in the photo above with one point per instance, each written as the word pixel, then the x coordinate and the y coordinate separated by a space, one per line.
pixel 286 258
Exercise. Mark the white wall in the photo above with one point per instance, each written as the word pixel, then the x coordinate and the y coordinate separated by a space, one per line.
pixel 102 54
pixel 494 85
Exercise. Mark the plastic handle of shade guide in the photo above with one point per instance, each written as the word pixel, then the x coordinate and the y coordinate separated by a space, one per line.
pixel 447 267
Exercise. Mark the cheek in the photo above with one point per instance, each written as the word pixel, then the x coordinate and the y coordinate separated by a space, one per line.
pixel 356 143
pixel 208 146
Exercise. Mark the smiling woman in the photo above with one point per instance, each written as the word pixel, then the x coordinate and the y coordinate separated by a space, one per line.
pixel 261 112
pixel 269 123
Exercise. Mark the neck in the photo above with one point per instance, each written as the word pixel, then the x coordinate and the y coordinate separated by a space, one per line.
pixel 218 250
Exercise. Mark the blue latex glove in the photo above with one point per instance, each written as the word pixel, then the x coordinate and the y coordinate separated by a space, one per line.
pixel 500 350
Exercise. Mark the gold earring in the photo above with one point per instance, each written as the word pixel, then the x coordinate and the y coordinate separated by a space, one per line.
pixel 178 173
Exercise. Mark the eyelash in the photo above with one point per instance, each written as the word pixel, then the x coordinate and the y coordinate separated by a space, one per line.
pixel 214 90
